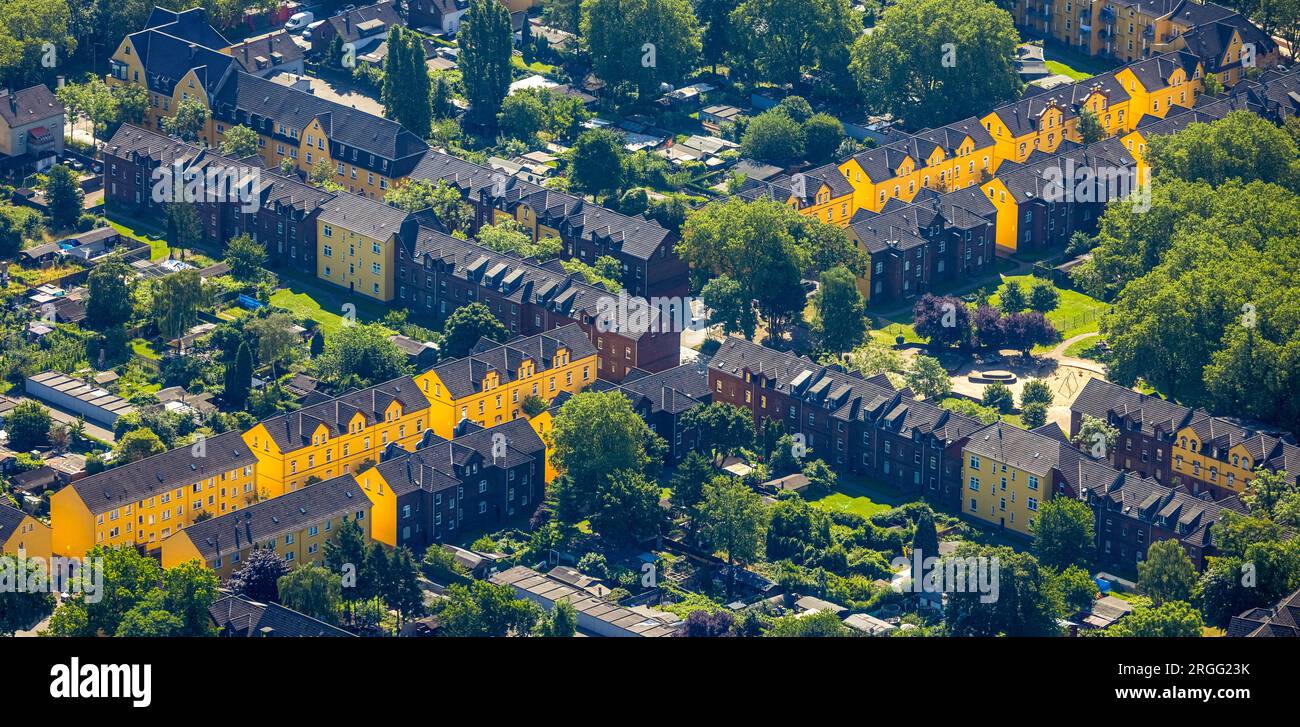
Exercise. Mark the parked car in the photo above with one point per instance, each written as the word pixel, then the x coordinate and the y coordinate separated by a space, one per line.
pixel 298 21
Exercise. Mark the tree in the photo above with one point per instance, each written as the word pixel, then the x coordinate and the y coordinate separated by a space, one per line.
pixel 188 121
pixel 184 229
pixel 1266 491
pixel 1095 437
pixel 532 405
pixel 1167 574
pixel 721 428
pixel 405 92
pixel 1044 297
pixel 109 304
pixel 998 396
pixel 728 306
pixel 401 590
pixel 93 101
pixel 778 40
pixel 638 45
pixel 925 539
pixel 626 509
pixel 595 435
pixel 1012 297
pixel 774 137
pixel 466 326
pixel 177 300
pixel 987 326
pixel 509 236
pixel 239 141
pixel 479 608
pixel 522 115
pixel 360 355
pixel 138 444
pixel 11 235
pixel 944 320
pixel 563 621
pixel 239 378
pixel 1034 414
pixel 822 135
pixel 596 167
pixel 64 196
pixel 822 624
pixel 21 608
pixel 1090 127
pixel 1077 589
pixel 246 258
pixel 733 520
pixel 959 57
pixel 693 473
pixel 132 102
pixel 129 577
pixel 1023 331
pixel 485 48
pixel 1025 603
pixel 276 339
pixel 313 590
pixel 841 310
pixel 260 577
pixel 1242 146
pixel 1063 533
pixel 927 377
pixel 28 424
pixel 1036 391
pixel 1174 619
pixel 189 590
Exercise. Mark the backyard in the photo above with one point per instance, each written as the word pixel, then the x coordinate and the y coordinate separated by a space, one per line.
pixel 861 497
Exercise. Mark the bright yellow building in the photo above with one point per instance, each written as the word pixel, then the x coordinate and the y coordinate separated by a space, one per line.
pixel 296 526
pixel 488 387
pixel 356 241
pixel 22 534
pixel 1007 473
pixel 141 503
pixel 329 439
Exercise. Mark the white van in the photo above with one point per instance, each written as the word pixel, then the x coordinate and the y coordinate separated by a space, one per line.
pixel 298 21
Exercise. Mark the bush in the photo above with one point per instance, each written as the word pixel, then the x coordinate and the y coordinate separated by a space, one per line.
pixel 594 564
pixel 998 396
pixel 1034 415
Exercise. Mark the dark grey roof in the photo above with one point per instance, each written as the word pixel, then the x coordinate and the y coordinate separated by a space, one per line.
pixel 238 615
pixel 367 20
pixel 438 463
pixel 464 376
pixel 10 519
pixel 1279 621
pixel 167 57
pixel 363 215
pixel 673 391
pixel 181 467
pixel 293 430
pixel 1100 399
pixel 31 104
pixel 882 163
pixel 266 52
pixel 189 25
pixel 269 519
pixel 1024 450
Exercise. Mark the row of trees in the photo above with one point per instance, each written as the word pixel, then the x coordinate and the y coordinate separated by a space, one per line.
pixel 947 321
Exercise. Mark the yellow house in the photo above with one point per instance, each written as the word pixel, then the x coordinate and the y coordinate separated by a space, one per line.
pixel 330 439
pixel 22 534
pixel 141 503
pixel 1007 473
pixel 295 525
pixel 356 240
pixel 1211 451
pixel 489 386
pixel 946 159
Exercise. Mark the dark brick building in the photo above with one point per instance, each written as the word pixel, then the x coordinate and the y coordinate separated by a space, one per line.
pixel 662 398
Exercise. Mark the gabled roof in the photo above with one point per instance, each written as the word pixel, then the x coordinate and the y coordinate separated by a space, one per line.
pixel 266 52
pixel 181 467
pixel 357 22
pixel 1100 399
pixel 294 430
pixel 166 59
pixel 673 391
pixel 189 25
pixel 29 105
pixel 363 215
pixel 438 464
pixel 1281 620
pixel 239 615
pixel 464 376
pixel 269 519
pixel 1026 451
pixel 10 519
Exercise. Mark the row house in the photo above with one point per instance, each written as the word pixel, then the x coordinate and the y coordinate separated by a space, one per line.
pixel 937 240
pixel 280 211
pixel 440 273
pixel 663 398
pixel 141 503
pixel 644 249
pixel 1133 512
pixel 1276 93
pixel 296 526
pixel 359 28
pixel 358 239
pixel 491 383
pixel 822 194
pixel 338 436
pixel 23 535
pixel 862 425
pixel 446 488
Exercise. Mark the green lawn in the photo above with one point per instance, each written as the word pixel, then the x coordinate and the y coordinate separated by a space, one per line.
pixel 1077 313
pixel 1057 67
pixel 1084 348
pixel 860 497
pixel 144 349
pixel 158 248
pixel 307 299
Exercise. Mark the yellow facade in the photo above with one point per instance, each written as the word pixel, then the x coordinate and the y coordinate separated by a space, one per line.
pixel 1189 460
pixel 146 522
pixel 302 545
pixel 31 539
pixel 330 455
pixel 940 172
pixel 496 401
pixel 356 261
pixel 1003 496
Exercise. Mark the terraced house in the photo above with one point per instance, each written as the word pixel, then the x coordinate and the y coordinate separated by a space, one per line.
pixel 280 211
pixel 822 193
pixel 488 386
pixel 22 534
pixel 644 249
pixel 663 398
pixel 449 486
pixel 332 438
pixel 441 273
pixel 296 526
pixel 358 239
pixel 1130 30
pixel 862 425
pixel 141 503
